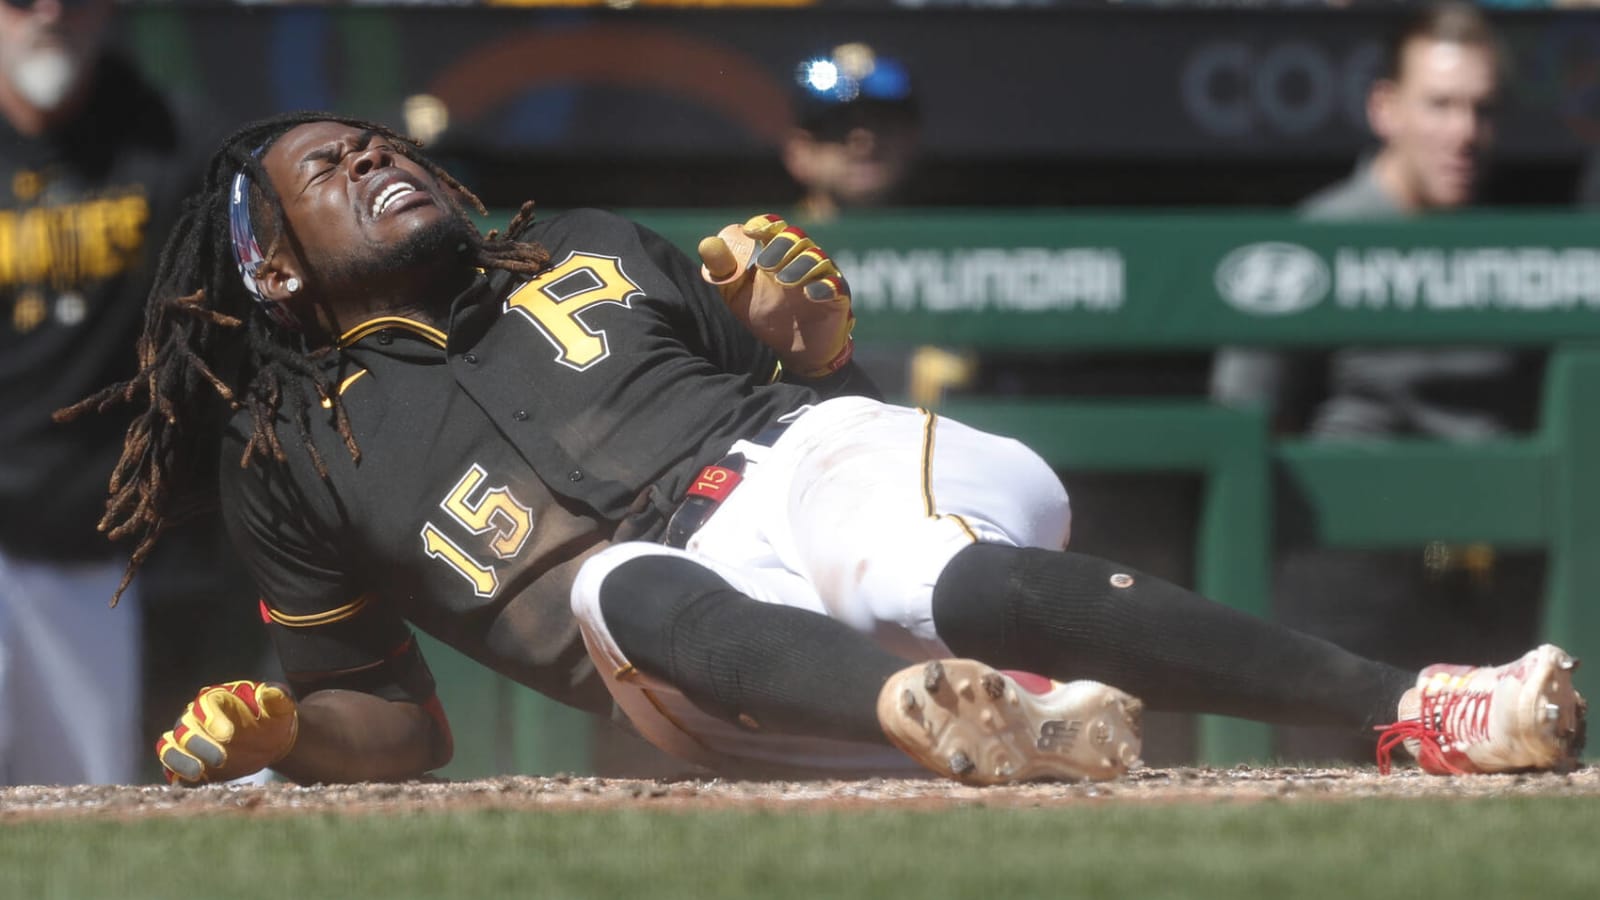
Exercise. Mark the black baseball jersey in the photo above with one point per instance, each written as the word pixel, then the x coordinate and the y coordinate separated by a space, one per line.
pixel 555 415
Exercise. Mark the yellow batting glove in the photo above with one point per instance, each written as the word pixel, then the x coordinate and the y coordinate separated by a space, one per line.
pixel 785 289
pixel 230 730
pixel 794 260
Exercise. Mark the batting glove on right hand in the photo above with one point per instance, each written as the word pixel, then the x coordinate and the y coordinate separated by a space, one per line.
pixel 230 730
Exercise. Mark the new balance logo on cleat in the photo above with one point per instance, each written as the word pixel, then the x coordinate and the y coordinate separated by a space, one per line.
pixel 979 725
pixel 1058 735
pixel 1463 719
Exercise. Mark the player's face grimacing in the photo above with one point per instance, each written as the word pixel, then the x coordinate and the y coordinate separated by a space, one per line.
pixel 358 209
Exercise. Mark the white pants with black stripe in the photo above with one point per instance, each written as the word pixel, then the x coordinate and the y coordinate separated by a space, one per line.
pixel 852 513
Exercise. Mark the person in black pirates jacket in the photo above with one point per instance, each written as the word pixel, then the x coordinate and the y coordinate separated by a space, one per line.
pixel 618 477
pixel 94 164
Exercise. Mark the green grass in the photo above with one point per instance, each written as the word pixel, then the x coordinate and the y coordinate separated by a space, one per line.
pixel 1502 849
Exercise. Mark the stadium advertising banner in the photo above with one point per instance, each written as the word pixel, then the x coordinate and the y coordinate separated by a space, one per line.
pixel 1041 280
pixel 1005 81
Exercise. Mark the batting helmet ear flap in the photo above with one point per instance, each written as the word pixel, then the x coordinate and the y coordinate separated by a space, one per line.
pixel 248 255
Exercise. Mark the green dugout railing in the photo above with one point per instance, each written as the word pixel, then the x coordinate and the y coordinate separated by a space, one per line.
pixel 1072 281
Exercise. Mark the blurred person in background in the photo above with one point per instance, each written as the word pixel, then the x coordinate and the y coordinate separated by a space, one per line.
pixel 858 132
pixel 1432 111
pixel 93 161
pixel 854 147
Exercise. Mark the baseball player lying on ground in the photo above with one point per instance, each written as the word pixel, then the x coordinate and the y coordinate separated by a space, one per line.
pixel 573 455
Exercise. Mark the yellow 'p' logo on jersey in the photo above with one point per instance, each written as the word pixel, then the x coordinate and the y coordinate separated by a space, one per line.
pixel 555 299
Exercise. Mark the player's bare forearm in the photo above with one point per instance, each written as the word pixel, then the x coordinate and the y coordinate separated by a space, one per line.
pixel 348 736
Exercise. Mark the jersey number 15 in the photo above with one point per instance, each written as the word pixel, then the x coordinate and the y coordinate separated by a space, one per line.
pixel 492 512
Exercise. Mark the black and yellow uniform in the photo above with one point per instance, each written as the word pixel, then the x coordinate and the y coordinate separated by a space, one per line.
pixel 554 416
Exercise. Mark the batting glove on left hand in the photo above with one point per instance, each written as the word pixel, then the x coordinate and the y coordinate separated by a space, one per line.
pixel 230 730
pixel 785 289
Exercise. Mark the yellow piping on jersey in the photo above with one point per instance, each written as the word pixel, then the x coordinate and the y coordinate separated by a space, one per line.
pixel 928 422
pixel 412 325
pixel 777 373
pixel 313 620
pixel 343 385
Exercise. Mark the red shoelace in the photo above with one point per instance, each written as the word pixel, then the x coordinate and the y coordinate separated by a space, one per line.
pixel 1448 718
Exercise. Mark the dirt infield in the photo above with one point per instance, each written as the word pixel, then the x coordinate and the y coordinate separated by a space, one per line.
pixel 1176 785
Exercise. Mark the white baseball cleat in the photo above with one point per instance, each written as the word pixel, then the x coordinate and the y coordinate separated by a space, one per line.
pixel 1464 719
pixel 976 724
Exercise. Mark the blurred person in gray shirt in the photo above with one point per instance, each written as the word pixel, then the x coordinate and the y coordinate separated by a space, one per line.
pixel 1432 111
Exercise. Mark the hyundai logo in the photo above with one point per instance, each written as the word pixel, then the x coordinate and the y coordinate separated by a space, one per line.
pixel 1272 279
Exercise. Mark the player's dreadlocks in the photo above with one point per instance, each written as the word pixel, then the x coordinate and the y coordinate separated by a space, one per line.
pixel 205 339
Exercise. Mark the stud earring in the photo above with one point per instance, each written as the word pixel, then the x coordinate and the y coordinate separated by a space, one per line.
pixel 293 284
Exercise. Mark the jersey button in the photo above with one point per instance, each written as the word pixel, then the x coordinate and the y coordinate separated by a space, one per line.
pixel 575 475
pixel 471 358
pixel 385 338
pixel 520 415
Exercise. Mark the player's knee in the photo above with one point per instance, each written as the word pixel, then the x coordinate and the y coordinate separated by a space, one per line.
pixel 585 597
pixel 645 586
pixel 642 599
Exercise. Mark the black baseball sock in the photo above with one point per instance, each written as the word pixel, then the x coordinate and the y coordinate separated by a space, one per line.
pixel 787 670
pixel 1072 616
